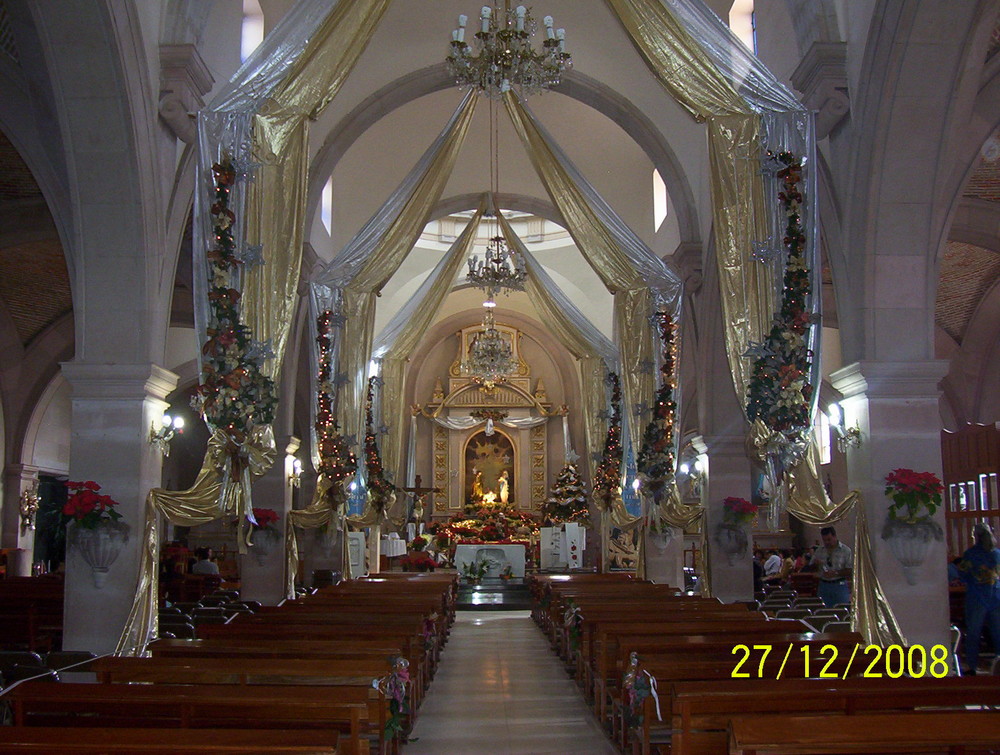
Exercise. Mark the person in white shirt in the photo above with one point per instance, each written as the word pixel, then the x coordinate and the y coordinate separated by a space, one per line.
pixel 836 563
pixel 772 565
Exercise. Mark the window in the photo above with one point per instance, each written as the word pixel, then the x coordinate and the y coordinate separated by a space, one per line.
pixel 659 200
pixel 823 440
pixel 742 21
pixel 253 28
pixel 326 206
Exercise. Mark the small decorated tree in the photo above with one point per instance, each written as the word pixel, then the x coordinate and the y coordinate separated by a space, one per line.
pixel 567 501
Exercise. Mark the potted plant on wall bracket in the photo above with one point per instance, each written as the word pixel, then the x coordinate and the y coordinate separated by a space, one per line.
pixel 910 526
pixel 265 536
pixel 731 533
pixel 93 527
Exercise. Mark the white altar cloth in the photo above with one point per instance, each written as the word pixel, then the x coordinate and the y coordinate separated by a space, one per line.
pixel 504 555
pixel 393 546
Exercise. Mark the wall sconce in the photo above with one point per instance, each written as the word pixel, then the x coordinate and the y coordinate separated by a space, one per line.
pixel 160 438
pixel 693 472
pixel 295 476
pixel 847 437
pixel 28 508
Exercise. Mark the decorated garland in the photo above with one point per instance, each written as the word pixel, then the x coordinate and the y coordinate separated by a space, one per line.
pixel 381 490
pixel 607 477
pixel 497 415
pixel 779 393
pixel 336 461
pixel 655 462
pixel 234 394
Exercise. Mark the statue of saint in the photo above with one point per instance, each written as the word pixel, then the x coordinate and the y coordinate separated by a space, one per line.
pixel 477 485
pixel 504 486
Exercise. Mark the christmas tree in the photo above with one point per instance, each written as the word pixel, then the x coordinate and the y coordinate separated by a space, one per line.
pixel 567 501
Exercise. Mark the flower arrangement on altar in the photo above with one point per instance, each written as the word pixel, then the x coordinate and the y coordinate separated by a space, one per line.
pixel 265 518
pixel 234 393
pixel 489 525
pixel 419 543
pixel 779 391
pixel 86 508
pixel 474 571
pixel 738 511
pixel 417 561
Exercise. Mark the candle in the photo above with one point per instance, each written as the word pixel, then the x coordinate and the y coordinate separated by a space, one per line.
pixel 561 36
pixel 520 11
pixel 487 12
pixel 549 31
pixel 462 20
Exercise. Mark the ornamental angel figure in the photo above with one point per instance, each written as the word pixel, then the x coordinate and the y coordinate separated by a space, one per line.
pixel 504 486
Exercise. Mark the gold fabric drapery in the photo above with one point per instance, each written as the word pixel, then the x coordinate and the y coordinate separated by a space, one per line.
pixel 633 300
pixel 393 369
pixel 358 298
pixel 808 500
pixel 205 501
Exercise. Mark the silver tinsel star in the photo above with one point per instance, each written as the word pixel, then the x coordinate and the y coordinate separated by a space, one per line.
pixel 341 379
pixel 770 164
pixel 351 440
pixel 383 429
pixel 604 414
pixel 337 321
pixel 260 351
pixel 506 460
pixel 596 457
pixel 765 251
pixel 377 381
pixel 245 170
pixel 572 457
pixel 640 408
pixel 646 366
pixel 253 255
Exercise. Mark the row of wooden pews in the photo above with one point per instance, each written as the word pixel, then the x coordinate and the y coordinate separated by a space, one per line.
pixel 662 671
pixel 313 675
pixel 31 613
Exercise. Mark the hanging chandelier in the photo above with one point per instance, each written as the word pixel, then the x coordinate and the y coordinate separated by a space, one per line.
pixel 505 58
pixel 499 272
pixel 490 359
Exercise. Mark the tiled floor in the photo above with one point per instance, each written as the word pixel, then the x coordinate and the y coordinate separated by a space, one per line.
pixel 500 690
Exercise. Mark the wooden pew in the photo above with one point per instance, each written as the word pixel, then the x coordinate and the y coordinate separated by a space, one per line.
pixel 867 734
pixel 198 706
pixel 74 740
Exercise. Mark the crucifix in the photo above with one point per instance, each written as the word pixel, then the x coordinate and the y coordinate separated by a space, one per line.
pixel 419 496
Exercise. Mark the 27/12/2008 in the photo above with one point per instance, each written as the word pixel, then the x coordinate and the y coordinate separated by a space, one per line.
pixel 878 662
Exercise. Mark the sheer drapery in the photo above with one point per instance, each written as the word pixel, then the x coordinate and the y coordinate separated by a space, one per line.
pixel 467 423
pixel 403 332
pixel 350 284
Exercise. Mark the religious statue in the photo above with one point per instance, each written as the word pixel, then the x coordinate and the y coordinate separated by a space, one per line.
pixel 504 486
pixel 477 485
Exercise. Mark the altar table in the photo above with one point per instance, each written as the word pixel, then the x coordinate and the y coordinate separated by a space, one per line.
pixel 504 555
pixel 393 546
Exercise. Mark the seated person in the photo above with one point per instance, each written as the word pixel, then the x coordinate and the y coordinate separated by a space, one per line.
pixel 204 564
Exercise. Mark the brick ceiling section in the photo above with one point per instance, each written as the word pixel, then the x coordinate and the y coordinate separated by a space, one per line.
pixel 34 285
pixel 966 274
pixel 16 181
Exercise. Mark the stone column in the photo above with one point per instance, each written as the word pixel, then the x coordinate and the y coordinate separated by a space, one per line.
pixel 114 406
pixel 262 577
pixel 896 406
pixel 728 474
pixel 17 480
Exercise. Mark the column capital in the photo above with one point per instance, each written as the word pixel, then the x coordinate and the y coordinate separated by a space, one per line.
pixel 119 381
pixel 890 379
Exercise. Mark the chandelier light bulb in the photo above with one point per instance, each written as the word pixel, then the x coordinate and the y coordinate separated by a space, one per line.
pixel 179 423
pixel 167 420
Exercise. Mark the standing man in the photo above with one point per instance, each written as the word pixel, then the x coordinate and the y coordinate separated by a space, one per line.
pixel 980 571
pixel 836 562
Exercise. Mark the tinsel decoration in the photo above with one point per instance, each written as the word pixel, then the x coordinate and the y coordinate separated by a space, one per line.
pixel 655 462
pixel 379 487
pixel 779 392
pixel 233 395
pixel 336 460
pixel 567 501
pixel 607 477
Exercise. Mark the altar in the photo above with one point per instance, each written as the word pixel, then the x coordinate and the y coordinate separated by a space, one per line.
pixel 503 555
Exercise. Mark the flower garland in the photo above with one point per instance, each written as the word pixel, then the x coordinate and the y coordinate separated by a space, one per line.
pixel 336 460
pixel 233 394
pixel 607 477
pixel 655 462
pixel 378 486
pixel 779 392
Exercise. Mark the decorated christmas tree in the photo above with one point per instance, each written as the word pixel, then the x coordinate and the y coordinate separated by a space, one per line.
pixel 567 501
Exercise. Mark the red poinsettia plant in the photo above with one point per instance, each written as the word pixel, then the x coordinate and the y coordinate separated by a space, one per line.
pixel 738 510
pixel 265 518
pixel 417 561
pixel 87 507
pixel 915 495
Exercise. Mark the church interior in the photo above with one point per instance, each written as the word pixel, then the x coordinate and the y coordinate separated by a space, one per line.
pixel 572 360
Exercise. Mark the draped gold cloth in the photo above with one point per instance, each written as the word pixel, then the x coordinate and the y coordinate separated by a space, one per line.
pixel 326 509
pixel 359 295
pixel 808 500
pixel 205 501
pixel 394 361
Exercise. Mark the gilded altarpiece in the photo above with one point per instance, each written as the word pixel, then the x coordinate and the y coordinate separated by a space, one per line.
pixel 468 462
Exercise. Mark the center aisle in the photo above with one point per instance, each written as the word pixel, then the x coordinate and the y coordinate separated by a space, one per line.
pixel 500 690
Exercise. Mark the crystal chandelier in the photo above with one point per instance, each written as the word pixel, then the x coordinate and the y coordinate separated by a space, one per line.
pixel 490 358
pixel 496 273
pixel 505 58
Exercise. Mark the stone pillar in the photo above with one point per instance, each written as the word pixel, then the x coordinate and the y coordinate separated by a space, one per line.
pixel 114 406
pixel 262 577
pixel 17 480
pixel 666 566
pixel 728 474
pixel 896 406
